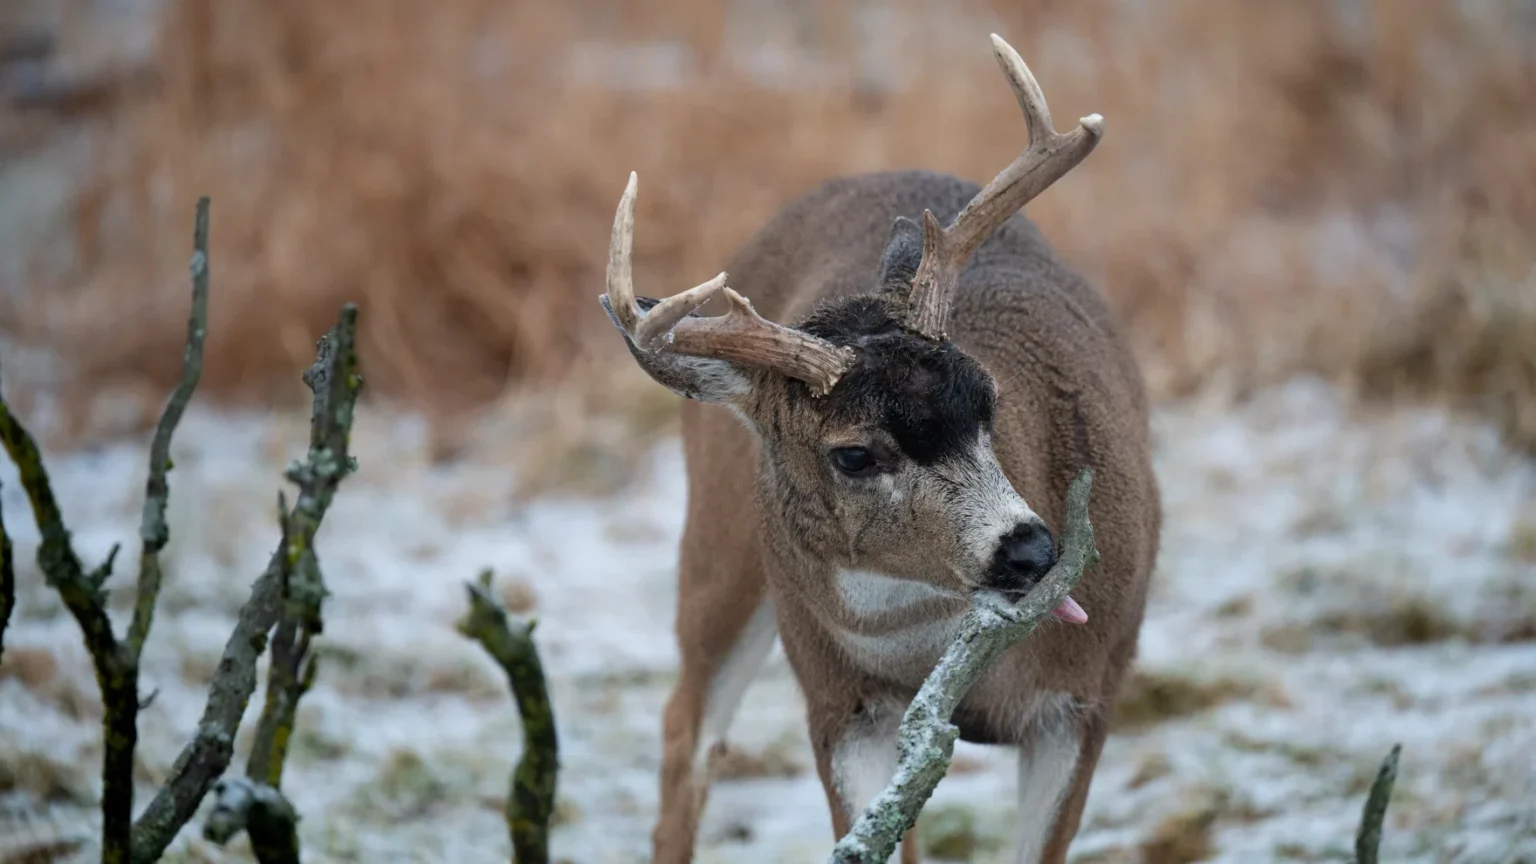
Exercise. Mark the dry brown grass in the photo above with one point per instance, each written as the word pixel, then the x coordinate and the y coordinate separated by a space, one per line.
pixel 1283 187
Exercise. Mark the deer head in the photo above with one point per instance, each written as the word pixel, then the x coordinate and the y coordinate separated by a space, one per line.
pixel 875 430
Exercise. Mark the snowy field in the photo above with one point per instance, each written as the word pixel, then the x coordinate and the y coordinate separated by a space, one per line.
pixel 1332 581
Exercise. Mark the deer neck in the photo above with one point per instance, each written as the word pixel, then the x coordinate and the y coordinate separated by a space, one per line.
pixel 886 626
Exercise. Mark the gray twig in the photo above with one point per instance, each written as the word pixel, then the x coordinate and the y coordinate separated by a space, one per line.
pixel 531 801
pixel 116 662
pixel 289 590
pixel 208 754
pixel 292 591
pixel 926 740
pixel 205 757
pixel 1368 839
pixel 153 531
pixel 336 384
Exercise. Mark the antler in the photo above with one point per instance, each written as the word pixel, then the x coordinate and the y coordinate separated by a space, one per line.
pixel 1047 157
pixel 740 335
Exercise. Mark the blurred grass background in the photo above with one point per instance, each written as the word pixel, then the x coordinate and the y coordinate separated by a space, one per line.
pixel 1342 187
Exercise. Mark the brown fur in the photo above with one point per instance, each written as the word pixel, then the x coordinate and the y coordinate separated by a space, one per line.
pixel 768 519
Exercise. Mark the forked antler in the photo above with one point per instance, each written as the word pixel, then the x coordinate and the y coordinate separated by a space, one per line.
pixel 1047 157
pixel 740 335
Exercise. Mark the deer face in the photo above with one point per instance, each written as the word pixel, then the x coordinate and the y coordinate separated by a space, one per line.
pixel 875 430
pixel 896 464
pixel 893 470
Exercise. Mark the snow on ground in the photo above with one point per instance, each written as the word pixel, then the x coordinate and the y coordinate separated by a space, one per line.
pixel 1331 582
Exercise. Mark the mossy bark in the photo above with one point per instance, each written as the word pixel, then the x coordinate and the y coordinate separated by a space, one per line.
pixel 531 800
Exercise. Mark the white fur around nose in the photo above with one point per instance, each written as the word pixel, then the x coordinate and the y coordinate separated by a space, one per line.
pixel 991 506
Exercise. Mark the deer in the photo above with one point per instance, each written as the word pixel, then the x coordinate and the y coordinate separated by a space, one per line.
pixel 855 476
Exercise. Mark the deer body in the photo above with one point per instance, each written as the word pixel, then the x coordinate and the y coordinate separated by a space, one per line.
pixel 908 441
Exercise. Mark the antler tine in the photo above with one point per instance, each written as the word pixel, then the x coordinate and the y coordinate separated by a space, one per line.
pixel 621 279
pixel 1047 157
pixel 647 329
pixel 741 335
pixel 1037 113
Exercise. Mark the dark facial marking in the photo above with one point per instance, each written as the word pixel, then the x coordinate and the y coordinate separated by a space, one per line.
pixel 931 397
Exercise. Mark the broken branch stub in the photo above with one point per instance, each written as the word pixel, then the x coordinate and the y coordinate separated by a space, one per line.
pixel 509 641
pixel 1368 838
pixel 262 812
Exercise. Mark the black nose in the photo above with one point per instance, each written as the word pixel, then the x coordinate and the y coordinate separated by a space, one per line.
pixel 1023 557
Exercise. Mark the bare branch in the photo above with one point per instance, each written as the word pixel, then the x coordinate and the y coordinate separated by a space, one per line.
pixel 531 801
pixel 926 740
pixel 153 532
pixel 262 812
pixel 1368 839
pixel 116 662
pixel 116 672
pixel 336 384
pixel 289 589
pixel 290 675
pixel 205 757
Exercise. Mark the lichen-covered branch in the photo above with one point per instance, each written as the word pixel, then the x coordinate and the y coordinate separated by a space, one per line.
pixel 286 595
pixel 116 672
pixel 531 802
pixel 7 580
pixel 203 760
pixel 56 555
pixel 926 740
pixel 262 812
pixel 336 384
pixel 153 531
pixel 1368 839
pixel 116 662
pixel 290 675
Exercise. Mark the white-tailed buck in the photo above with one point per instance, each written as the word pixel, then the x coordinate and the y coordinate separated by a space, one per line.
pixel 908 440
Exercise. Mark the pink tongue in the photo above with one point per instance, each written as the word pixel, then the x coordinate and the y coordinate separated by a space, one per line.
pixel 1070 612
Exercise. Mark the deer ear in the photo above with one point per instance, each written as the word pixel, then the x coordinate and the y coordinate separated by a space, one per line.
pixel 704 379
pixel 903 254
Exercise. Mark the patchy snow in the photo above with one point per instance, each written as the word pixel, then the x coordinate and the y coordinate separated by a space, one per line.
pixel 1341 580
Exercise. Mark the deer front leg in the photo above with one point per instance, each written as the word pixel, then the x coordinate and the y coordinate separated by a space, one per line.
pixel 1083 739
pixel 855 744
pixel 1056 766
pixel 723 637
pixel 1047 767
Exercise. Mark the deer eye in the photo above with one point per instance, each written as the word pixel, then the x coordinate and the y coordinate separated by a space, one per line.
pixel 853 461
